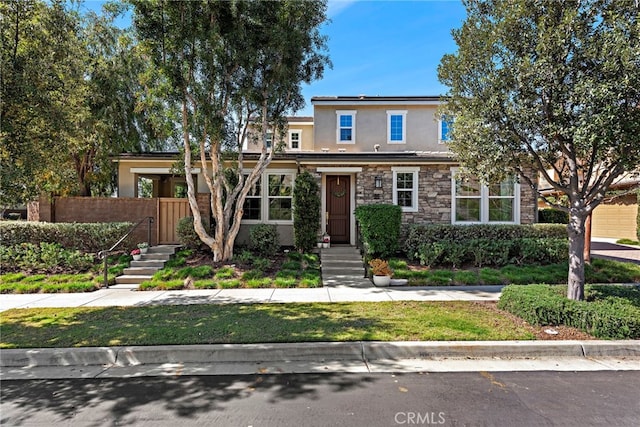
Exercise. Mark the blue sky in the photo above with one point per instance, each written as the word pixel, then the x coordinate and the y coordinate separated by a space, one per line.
pixel 383 47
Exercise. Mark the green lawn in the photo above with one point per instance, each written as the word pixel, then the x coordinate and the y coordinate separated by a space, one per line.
pixel 255 323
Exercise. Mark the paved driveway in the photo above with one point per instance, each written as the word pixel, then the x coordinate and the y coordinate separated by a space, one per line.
pixel 615 252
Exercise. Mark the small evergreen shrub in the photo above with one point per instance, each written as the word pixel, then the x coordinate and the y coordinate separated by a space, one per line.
pixel 380 228
pixel 306 212
pixel 264 239
pixel 553 216
pixel 44 257
pixel 610 312
pixel 187 235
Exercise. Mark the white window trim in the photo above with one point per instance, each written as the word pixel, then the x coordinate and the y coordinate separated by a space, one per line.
pixel 440 140
pixel 484 204
pixel 414 195
pixel 402 113
pixel 264 197
pixel 299 133
pixel 351 113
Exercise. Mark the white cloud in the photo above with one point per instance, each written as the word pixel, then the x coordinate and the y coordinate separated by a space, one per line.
pixel 336 6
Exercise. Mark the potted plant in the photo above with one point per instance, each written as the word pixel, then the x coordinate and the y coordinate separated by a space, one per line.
pixel 144 246
pixel 326 241
pixel 136 254
pixel 381 272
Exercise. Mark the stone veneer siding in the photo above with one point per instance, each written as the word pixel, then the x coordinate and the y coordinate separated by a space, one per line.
pixel 434 193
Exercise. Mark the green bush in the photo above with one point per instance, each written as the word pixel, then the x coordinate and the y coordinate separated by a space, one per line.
pixel 306 211
pixel 419 235
pixel 611 312
pixel 44 257
pixel 380 228
pixel 84 237
pixel 553 216
pixel 187 235
pixel 264 239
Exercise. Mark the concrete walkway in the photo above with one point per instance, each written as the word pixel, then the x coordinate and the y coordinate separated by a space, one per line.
pixel 608 249
pixel 125 297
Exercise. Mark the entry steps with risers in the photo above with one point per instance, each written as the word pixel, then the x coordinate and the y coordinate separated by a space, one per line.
pixel 343 266
pixel 145 268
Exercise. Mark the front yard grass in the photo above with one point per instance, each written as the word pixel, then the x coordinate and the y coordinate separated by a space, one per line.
pixel 599 271
pixel 257 323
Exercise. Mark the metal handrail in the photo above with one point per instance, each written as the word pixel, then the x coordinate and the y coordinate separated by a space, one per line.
pixel 105 253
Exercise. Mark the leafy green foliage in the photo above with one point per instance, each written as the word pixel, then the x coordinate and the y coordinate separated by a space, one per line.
pixel 611 312
pixel 548 88
pixel 306 211
pixel 44 257
pixel 86 237
pixel 234 71
pixel 264 239
pixel 553 216
pixel 187 235
pixel 19 283
pixel 380 228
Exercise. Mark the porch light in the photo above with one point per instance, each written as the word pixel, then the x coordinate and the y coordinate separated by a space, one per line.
pixel 378 181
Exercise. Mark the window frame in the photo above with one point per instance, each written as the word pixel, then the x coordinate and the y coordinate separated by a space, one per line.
pixel 484 198
pixel 415 170
pixel 390 115
pixel 265 198
pixel 442 120
pixel 259 197
pixel 351 113
pixel 295 132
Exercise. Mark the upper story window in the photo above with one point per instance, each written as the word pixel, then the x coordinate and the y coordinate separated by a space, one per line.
pixel 445 124
pixel 396 127
pixel 476 203
pixel 405 188
pixel 346 129
pixel 269 140
pixel 295 139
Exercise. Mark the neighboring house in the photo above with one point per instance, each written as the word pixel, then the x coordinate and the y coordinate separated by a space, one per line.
pixel 616 217
pixel 363 150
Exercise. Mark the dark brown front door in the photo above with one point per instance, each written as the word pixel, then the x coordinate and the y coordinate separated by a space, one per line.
pixel 338 208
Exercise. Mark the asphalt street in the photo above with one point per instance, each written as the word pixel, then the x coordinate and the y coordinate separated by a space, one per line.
pixel 335 399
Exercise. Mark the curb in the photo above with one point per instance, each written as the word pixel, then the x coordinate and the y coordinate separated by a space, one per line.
pixel 361 351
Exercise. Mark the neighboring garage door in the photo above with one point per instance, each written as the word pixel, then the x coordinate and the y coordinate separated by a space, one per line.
pixel 616 220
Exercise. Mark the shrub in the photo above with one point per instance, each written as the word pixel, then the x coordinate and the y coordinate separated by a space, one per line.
pixel 611 312
pixel 454 254
pixel 264 239
pixel 44 257
pixel 306 211
pixel 380 228
pixel 419 235
pixel 84 237
pixel 553 216
pixel 187 235
pixel 429 254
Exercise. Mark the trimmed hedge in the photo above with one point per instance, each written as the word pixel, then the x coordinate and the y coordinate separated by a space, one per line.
pixel 264 239
pixel 306 212
pixel 553 216
pixel 611 312
pixel 489 252
pixel 416 236
pixel 85 237
pixel 380 228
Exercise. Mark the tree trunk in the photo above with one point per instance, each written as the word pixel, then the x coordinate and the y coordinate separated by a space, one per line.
pixel 575 288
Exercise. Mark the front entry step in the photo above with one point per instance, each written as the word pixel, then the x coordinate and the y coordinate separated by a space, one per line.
pixel 343 266
pixel 146 267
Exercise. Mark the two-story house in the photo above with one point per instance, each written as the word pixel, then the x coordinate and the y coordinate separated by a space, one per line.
pixel 363 150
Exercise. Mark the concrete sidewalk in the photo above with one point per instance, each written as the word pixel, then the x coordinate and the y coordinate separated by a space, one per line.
pixel 127 297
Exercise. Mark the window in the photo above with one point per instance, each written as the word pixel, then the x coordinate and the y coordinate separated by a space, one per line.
pixel 477 203
pixel 445 124
pixel 396 127
pixel 280 197
pixel 295 139
pixel 346 129
pixel 405 188
pixel 252 208
pixel 269 140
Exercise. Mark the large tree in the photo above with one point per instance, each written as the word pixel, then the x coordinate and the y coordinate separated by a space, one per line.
pixel 235 70
pixel 549 88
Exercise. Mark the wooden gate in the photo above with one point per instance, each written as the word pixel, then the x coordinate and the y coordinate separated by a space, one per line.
pixel 170 210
